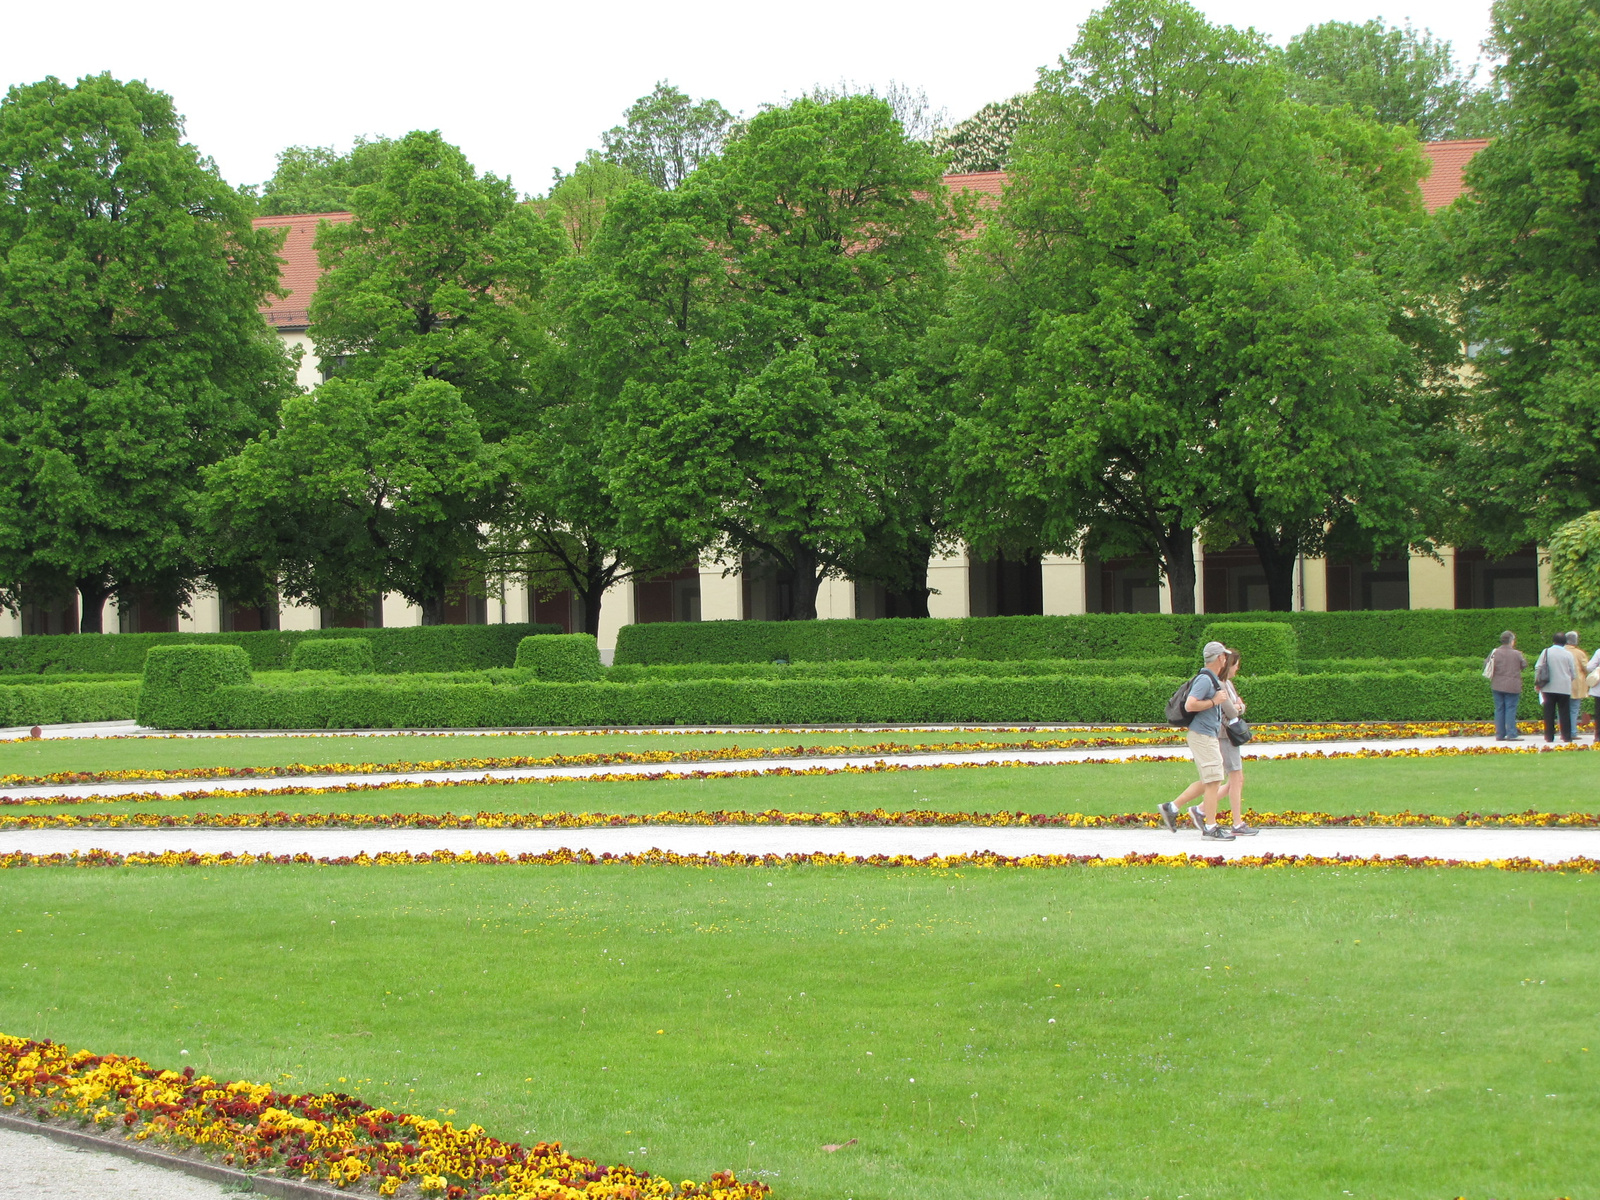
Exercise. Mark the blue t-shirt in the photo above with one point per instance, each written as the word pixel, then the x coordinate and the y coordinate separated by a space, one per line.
pixel 1208 721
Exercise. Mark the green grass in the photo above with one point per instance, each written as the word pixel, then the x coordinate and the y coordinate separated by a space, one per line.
pixel 1504 783
pixel 29 757
pixel 1286 1033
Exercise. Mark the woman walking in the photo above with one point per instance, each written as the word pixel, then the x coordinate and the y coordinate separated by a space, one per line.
pixel 1232 759
pixel 1505 668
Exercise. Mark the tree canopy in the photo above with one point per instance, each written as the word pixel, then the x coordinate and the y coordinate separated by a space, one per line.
pixel 666 135
pixel 1403 76
pixel 742 336
pixel 1526 242
pixel 983 141
pixel 1174 324
pixel 132 350
pixel 577 200
pixel 316 179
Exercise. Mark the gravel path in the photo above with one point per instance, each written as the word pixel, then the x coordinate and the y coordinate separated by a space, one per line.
pixel 1466 845
pixel 37 1168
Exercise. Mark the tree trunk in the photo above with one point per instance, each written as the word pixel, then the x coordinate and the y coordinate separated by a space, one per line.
pixel 1278 554
pixel 802 604
pixel 1177 559
pixel 913 601
pixel 93 594
pixel 433 609
pixel 591 598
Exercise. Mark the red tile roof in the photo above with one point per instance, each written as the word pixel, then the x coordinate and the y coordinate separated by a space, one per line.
pixel 289 309
pixel 1443 184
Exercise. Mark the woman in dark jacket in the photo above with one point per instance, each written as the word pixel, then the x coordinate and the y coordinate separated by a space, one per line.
pixel 1506 665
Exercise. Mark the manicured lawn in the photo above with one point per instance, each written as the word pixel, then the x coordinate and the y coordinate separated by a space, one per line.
pixel 1490 783
pixel 84 754
pixel 1065 1033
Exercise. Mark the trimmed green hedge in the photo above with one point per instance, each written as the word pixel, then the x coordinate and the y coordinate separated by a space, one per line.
pixel 1376 696
pixel 181 684
pixel 346 655
pixel 904 669
pixel 560 658
pixel 75 677
pixel 66 703
pixel 1404 634
pixel 1265 647
pixel 409 648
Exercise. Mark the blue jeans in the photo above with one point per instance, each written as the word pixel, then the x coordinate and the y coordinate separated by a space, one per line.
pixel 1505 713
pixel 1576 709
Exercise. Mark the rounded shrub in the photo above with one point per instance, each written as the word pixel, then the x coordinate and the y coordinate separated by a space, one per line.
pixel 1266 647
pixel 180 685
pixel 560 657
pixel 346 655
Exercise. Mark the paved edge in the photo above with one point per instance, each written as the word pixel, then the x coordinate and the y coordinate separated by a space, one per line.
pixel 265 1185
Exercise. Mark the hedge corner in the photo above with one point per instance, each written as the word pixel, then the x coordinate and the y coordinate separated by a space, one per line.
pixel 1265 647
pixel 560 657
pixel 179 682
pixel 346 655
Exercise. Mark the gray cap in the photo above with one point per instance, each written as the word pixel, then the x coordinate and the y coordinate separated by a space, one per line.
pixel 1212 649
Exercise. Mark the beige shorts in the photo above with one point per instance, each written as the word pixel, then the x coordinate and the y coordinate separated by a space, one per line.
pixel 1207 756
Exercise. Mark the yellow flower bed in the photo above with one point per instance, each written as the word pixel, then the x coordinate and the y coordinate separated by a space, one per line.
pixel 329 1136
pixel 653 858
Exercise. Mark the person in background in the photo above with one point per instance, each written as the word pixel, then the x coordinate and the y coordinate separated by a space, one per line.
pixel 1506 665
pixel 1552 675
pixel 1580 677
pixel 1232 756
pixel 1591 667
pixel 1205 702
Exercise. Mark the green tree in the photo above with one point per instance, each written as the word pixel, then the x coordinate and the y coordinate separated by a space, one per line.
pixel 1177 323
pixel 1526 241
pixel 316 179
pixel 1575 566
pixel 578 199
pixel 1403 76
pixel 132 351
pixel 983 141
pixel 745 335
pixel 666 135
pixel 441 271
pixel 366 486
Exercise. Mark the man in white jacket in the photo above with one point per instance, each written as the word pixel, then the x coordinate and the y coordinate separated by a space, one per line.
pixel 1553 675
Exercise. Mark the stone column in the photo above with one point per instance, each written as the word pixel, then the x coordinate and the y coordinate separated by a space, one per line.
pixel 1547 596
pixel 836 600
pixel 1433 583
pixel 299 616
pixel 616 610
pixel 399 612
pixel 1312 594
pixel 947 581
pixel 721 596
pixel 517 605
pixel 205 614
pixel 1065 584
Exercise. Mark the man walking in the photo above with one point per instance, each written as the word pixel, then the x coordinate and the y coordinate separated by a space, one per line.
pixel 1552 675
pixel 1205 702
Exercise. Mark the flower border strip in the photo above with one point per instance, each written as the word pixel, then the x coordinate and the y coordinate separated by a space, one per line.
pixel 780 772
pixel 14 860
pixel 1266 734
pixel 326 1136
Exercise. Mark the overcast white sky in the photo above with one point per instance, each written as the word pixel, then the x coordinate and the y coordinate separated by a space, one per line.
pixel 523 87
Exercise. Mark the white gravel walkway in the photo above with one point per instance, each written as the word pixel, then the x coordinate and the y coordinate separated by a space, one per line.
pixel 1466 845
pixel 37 1168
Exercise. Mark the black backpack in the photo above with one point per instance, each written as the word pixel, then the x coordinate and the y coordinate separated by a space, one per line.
pixel 1177 707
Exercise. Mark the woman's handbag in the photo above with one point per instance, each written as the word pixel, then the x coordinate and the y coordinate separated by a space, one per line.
pixel 1239 731
pixel 1488 667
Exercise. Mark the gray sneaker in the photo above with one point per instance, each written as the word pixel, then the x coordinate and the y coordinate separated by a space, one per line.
pixel 1219 832
pixel 1243 830
pixel 1169 816
pixel 1197 817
